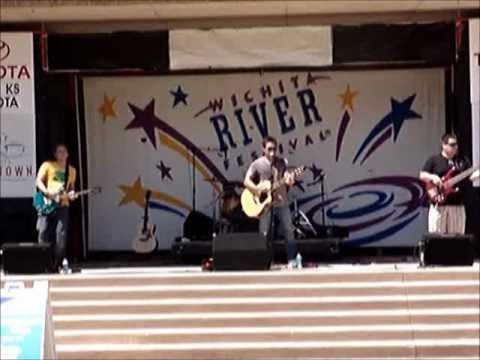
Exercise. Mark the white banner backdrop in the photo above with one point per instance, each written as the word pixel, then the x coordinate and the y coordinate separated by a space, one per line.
pixel 368 132
pixel 17 115
pixel 248 48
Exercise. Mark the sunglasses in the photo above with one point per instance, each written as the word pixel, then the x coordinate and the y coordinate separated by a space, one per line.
pixel 271 149
pixel 452 144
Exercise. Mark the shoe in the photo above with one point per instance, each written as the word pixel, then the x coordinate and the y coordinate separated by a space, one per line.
pixel 298 261
pixel 292 264
pixel 64 268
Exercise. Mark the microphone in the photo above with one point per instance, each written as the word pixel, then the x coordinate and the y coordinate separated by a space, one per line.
pixel 209 149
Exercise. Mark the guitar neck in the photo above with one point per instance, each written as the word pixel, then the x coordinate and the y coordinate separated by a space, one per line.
pixel 283 181
pixel 145 212
pixel 278 184
pixel 457 178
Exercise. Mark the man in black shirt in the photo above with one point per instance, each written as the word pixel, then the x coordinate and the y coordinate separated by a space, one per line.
pixel 448 217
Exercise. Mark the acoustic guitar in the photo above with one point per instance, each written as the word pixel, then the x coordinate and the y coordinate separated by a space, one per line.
pixel 145 241
pixel 255 204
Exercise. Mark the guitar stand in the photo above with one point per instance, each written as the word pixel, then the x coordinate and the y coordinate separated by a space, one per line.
pixel 301 220
pixel 214 203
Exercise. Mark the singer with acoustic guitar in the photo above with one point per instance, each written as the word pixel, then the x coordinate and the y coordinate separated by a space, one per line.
pixel 445 176
pixel 265 195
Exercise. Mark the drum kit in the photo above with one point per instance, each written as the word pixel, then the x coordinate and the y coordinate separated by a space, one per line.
pixel 228 199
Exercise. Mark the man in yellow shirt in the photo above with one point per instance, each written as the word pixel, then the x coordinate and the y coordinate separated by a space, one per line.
pixel 53 180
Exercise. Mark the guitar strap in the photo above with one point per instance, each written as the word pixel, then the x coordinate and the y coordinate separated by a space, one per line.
pixel 272 173
pixel 67 174
pixel 460 163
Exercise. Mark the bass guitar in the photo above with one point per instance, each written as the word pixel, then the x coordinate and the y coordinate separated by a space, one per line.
pixel 46 206
pixel 146 240
pixel 255 204
pixel 438 195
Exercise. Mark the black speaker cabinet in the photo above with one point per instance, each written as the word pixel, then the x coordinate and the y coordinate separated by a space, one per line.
pixel 27 258
pixel 241 251
pixel 198 227
pixel 450 249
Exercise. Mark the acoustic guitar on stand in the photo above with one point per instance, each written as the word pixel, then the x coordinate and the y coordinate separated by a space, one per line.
pixel 254 205
pixel 438 195
pixel 146 240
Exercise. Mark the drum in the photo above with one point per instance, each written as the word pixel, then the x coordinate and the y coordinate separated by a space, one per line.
pixel 228 202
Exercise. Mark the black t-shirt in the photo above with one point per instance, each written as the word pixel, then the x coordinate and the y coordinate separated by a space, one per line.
pixel 439 165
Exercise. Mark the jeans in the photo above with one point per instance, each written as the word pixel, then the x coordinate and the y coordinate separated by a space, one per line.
pixel 53 228
pixel 285 222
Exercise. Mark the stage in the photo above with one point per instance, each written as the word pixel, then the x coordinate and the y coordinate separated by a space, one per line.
pixel 328 311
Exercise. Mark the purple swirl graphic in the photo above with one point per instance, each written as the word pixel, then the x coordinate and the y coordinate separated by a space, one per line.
pixel 372 209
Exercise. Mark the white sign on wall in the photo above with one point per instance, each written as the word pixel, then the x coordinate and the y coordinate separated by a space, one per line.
pixel 17 115
pixel 250 48
pixel 368 132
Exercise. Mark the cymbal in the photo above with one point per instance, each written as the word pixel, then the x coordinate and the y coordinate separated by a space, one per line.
pixel 228 183
pixel 233 183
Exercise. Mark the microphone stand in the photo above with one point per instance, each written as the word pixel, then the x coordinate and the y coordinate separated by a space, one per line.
pixel 194 183
pixel 322 195
pixel 194 171
pixel 194 187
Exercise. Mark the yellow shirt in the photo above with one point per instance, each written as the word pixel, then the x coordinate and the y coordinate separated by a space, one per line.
pixel 53 176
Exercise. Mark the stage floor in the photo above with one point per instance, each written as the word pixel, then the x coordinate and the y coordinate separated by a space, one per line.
pixel 329 311
pixel 385 264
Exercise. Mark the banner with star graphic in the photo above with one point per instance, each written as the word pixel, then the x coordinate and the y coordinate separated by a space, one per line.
pixel 365 133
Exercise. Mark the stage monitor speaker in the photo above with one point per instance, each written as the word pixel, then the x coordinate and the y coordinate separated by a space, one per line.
pixel 27 258
pixel 439 249
pixel 241 251
pixel 198 227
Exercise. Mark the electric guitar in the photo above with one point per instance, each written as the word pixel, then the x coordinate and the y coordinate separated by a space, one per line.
pixel 46 206
pixel 145 242
pixel 254 205
pixel 438 195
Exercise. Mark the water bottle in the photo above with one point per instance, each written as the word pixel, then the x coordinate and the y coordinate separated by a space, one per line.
pixel 65 268
pixel 299 261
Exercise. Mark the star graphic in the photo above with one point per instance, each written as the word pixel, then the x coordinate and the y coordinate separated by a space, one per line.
pixel 396 117
pixel 106 109
pixel 134 193
pixel 347 97
pixel 165 170
pixel 401 112
pixel 145 119
pixel 317 174
pixel 180 96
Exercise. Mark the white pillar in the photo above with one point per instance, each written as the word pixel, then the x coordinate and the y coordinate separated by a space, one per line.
pixel 474 35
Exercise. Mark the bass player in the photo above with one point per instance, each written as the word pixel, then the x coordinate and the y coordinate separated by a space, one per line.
pixel 448 215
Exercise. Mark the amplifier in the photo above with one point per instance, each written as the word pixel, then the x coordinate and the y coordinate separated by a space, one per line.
pixel 448 249
pixel 241 251
pixel 27 258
